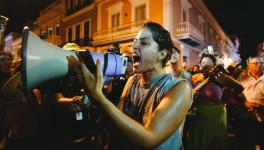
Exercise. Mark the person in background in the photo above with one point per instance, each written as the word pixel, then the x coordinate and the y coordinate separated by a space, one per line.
pixel 250 127
pixel 261 49
pixel 66 123
pixel 206 130
pixel 153 105
pixel 175 66
pixel 195 69
pixel 19 118
pixel 5 67
pixel 5 74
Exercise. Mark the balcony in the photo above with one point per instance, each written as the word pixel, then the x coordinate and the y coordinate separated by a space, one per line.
pixel 78 7
pixel 189 34
pixel 119 33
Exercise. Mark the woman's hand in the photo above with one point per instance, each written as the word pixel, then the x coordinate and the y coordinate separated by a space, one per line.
pixel 93 83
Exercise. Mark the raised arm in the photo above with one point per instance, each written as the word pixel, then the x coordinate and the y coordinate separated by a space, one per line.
pixel 163 123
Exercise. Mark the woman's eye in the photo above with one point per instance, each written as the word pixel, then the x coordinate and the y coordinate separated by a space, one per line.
pixel 143 43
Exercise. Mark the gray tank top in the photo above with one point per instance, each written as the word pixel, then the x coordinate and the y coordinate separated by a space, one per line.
pixel 142 100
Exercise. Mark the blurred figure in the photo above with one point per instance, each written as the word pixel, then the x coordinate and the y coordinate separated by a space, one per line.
pixel 3 23
pixel 261 49
pixel 19 118
pixel 20 125
pixel 5 67
pixel 176 68
pixel 195 69
pixel 206 129
pixel 251 122
pixel 5 74
pixel 66 123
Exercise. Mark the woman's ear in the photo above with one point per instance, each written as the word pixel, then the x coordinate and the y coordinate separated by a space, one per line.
pixel 174 57
pixel 163 54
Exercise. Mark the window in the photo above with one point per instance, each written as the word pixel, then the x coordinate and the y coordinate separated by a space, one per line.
pixel 139 9
pixel 185 59
pixel 76 3
pixel 80 2
pixel 201 28
pixel 114 14
pixel 184 15
pixel 72 3
pixel 211 31
pixel 58 29
pixel 115 19
pixel 201 23
pixel 43 35
pixel 185 10
pixel 69 34
pixel 86 29
pixel 77 34
pixel 69 4
pixel 140 12
pixel 50 31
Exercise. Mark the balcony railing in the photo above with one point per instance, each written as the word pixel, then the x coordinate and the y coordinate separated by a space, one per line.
pixel 184 29
pixel 123 32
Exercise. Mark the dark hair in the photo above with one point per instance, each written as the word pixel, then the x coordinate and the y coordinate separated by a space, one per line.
pixel 209 56
pixel 162 37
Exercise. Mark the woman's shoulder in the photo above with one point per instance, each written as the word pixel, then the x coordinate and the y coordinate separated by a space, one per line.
pixel 171 81
pixel 174 80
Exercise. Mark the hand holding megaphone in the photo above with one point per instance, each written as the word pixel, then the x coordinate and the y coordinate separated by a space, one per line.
pixel 93 82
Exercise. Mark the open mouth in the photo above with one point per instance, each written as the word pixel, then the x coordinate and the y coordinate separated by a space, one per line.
pixel 136 59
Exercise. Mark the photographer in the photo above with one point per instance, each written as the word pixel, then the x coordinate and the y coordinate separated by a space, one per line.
pixel 146 113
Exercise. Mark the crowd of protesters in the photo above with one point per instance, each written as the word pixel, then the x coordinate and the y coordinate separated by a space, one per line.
pixel 164 105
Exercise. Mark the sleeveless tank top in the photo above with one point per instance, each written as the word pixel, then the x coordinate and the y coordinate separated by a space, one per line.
pixel 142 100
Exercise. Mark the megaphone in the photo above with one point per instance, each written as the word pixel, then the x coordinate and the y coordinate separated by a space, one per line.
pixel 42 61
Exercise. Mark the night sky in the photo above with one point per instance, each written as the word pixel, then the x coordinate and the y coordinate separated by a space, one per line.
pixel 241 17
pixel 22 12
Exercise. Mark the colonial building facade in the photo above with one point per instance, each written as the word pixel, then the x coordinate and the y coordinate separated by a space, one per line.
pixel 100 24
pixel 48 25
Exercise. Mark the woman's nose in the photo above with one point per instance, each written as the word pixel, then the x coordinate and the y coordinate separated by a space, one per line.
pixel 135 47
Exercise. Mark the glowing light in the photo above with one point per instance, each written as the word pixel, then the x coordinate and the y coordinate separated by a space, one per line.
pixel 227 61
